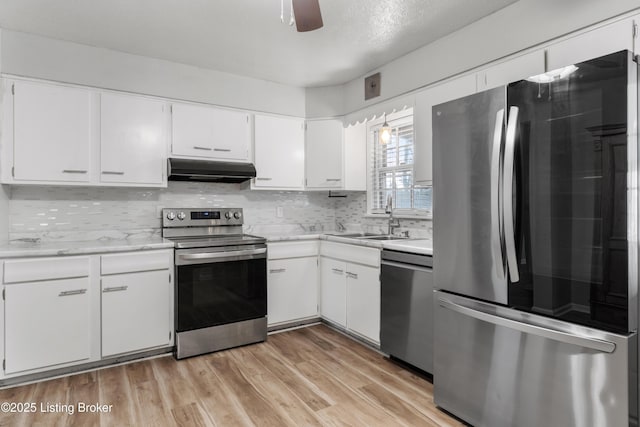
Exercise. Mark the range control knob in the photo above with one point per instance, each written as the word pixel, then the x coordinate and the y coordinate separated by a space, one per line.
pixel 181 216
pixel 227 215
pixel 171 216
pixel 237 215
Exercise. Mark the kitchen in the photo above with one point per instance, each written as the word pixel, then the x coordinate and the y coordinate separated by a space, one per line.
pixel 97 222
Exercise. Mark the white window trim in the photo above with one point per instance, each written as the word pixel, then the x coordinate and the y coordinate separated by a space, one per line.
pixel 371 127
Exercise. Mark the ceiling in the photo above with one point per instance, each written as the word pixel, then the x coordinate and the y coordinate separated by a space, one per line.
pixel 246 37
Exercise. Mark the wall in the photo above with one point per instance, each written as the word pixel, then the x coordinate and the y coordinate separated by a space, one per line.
pixel 39 57
pixel 519 26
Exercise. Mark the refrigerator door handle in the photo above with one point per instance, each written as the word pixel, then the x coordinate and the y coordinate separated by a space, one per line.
pixel 527 328
pixel 496 214
pixel 507 195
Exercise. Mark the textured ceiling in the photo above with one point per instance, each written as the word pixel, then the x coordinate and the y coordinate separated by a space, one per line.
pixel 246 37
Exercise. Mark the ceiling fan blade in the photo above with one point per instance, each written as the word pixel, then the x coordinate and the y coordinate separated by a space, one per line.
pixel 307 14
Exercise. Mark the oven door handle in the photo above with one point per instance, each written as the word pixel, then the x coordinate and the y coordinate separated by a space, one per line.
pixel 219 255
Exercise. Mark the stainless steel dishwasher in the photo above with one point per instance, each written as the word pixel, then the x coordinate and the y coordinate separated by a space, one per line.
pixel 406 308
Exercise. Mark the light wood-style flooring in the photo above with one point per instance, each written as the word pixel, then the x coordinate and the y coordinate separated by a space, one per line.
pixel 312 376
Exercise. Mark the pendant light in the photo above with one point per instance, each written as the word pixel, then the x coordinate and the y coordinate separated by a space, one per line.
pixel 384 133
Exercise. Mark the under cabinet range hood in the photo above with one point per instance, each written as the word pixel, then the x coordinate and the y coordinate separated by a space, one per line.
pixel 209 171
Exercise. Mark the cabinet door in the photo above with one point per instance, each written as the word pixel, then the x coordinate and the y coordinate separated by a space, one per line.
pixel 135 311
pixel 324 154
pixel 363 301
pixel 199 131
pixel 279 152
pixel 423 170
pixel 512 70
pixel 52 133
pixel 333 292
pixel 355 157
pixel 46 323
pixel 592 44
pixel 132 140
pixel 292 289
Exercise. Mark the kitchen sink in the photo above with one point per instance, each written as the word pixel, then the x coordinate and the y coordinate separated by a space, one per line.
pixel 357 235
pixel 383 237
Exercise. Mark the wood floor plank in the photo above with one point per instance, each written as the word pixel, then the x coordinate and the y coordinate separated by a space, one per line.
pixel 313 376
pixel 216 399
pixel 364 412
pixel 258 407
pixel 190 416
pixel 286 402
pixel 114 389
pixel 311 395
pixel 151 409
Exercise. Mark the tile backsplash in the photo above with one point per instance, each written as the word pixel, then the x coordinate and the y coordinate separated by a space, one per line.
pixel 86 213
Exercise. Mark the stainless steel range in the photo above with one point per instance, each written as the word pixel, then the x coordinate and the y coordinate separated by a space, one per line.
pixel 221 280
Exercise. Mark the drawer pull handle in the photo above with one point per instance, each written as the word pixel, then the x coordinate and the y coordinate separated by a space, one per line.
pixel 337 270
pixel 74 292
pixel 74 171
pixel 115 289
pixel 224 150
pixel 352 275
pixel 334 179
pixel 277 270
pixel 112 173
pixel 264 179
pixel 202 148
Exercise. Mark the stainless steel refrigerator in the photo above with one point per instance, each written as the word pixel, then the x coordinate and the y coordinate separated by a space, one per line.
pixel 536 249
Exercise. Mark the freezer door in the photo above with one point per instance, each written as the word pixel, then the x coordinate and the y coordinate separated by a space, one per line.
pixel 495 366
pixel 467 153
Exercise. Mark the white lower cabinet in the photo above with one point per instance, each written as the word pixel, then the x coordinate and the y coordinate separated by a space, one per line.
pixel 136 293
pixel 363 300
pixel 135 312
pixel 70 310
pixel 350 288
pixel 292 281
pixel 46 324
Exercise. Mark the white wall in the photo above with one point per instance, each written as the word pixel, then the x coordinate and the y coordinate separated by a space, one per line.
pixel 519 26
pixel 39 57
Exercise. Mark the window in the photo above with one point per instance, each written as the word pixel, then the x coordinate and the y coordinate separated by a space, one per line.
pixel 391 169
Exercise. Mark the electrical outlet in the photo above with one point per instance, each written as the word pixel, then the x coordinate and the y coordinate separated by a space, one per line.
pixel 279 212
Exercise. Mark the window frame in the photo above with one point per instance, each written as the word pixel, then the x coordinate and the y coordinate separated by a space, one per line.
pixel 394 120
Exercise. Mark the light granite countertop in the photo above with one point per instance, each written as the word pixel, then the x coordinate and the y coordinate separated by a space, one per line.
pixel 418 246
pixel 39 249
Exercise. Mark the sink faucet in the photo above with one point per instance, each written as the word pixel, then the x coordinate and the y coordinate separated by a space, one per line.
pixel 393 222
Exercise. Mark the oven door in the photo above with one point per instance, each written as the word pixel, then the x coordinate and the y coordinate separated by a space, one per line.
pixel 220 285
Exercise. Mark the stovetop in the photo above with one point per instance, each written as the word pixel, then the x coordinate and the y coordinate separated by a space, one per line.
pixel 215 241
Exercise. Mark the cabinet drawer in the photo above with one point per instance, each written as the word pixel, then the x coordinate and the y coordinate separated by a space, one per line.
pixel 33 270
pixel 136 261
pixel 351 253
pixel 292 249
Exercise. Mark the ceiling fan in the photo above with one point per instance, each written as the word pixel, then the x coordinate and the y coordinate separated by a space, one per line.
pixel 306 13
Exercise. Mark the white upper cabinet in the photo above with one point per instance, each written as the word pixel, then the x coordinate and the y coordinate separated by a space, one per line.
pixel 324 154
pixel 51 132
pixel 208 132
pixel 355 157
pixel 425 100
pixel 132 140
pixel 592 44
pixel 514 69
pixel 279 152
